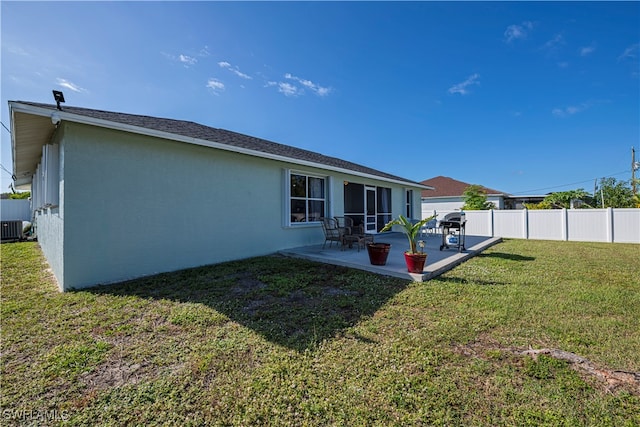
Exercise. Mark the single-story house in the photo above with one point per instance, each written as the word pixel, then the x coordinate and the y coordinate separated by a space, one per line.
pixel 447 195
pixel 117 196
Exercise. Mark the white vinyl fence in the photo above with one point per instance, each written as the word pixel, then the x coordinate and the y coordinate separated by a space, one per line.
pixel 584 225
pixel 15 209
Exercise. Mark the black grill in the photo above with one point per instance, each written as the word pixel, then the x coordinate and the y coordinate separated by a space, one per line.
pixel 454 222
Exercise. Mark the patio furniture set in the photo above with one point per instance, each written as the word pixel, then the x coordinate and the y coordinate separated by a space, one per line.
pixel 341 229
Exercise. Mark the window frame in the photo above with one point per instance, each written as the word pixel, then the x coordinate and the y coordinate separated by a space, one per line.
pixel 289 198
pixel 408 195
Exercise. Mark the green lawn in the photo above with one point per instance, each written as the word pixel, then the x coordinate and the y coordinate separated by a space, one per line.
pixel 276 341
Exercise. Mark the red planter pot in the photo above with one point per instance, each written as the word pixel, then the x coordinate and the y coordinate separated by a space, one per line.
pixel 415 262
pixel 378 253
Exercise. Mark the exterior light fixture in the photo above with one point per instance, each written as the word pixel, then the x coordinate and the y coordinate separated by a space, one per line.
pixel 59 97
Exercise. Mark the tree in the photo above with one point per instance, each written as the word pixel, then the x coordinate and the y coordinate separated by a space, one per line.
pixel 564 199
pixel 609 193
pixel 475 199
pixel 612 193
pixel 636 197
pixel 22 195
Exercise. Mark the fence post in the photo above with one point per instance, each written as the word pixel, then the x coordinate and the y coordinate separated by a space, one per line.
pixel 491 221
pixel 564 223
pixel 609 225
pixel 525 223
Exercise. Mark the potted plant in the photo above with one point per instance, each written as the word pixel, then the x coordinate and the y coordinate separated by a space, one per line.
pixel 378 253
pixel 414 259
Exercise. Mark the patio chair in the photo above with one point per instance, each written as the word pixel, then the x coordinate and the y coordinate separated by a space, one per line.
pixel 332 233
pixel 429 228
pixel 357 236
pixel 345 222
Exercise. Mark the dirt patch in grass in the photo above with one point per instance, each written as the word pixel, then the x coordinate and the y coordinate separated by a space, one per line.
pixel 115 373
pixel 487 348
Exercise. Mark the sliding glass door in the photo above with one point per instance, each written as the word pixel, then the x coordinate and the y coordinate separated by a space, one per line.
pixel 367 205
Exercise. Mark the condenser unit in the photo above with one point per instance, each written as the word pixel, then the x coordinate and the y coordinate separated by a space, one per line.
pixel 11 230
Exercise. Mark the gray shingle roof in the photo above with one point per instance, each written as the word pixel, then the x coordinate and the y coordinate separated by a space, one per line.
pixel 221 136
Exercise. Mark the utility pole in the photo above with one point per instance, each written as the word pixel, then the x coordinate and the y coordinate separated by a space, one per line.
pixel 634 167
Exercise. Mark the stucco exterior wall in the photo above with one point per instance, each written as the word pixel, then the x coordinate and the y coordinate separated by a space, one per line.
pixel 50 230
pixel 137 205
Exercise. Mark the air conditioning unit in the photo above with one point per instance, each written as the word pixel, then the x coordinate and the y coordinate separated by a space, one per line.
pixel 11 230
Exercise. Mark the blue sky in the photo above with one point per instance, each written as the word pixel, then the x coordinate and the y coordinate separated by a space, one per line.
pixel 524 98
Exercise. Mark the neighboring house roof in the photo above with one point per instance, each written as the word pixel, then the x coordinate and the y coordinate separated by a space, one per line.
pixel 449 187
pixel 33 133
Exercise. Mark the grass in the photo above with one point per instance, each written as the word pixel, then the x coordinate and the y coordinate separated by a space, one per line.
pixel 276 341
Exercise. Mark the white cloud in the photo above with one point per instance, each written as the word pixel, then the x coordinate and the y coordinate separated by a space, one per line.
pixel 514 32
pixel 71 86
pixel 187 60
pixel 317 89
pixel 461 88
pixel 570 110
pixel 556 41
pixel 215 85
pixel 587 50
pixel 293 90
pixel 288 89
pixel 630 53
pixel 235 70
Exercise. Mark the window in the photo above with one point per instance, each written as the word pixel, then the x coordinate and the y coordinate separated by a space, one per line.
pixel 307 198
pixel 409 204
pixel 45 182
pixel 383 210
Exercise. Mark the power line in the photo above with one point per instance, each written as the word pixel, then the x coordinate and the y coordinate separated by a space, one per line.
pixel 566 185
pixel 6 128
pixel 13 177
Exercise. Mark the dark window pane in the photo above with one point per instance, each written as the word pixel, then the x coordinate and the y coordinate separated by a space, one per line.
pixel 298 213
pixel 371 202
pixel 382 220
pixel 316 188
pixel 316 210
pixel 354 198
pixel 298 185
pixel 384 200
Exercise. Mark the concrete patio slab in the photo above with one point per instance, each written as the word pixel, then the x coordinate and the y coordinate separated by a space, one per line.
pixel 438 261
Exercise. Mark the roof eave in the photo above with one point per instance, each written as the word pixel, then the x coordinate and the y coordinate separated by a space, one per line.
pixel 78 118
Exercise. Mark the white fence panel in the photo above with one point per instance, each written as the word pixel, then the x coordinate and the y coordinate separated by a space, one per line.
pixel 547 224
pixel 626 225
pixel 479 223
pixel 15 209
pixel 588 225
pixel 584 225
pixel 509 223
